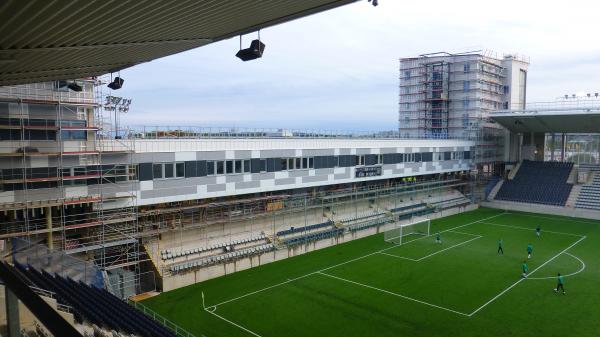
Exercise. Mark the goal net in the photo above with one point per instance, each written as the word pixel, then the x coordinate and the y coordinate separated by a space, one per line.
pixel 400 233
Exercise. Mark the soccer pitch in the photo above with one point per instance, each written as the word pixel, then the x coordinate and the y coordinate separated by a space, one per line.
pixel 368 287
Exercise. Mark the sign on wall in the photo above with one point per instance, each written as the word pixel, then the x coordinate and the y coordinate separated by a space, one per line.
pixel 369 171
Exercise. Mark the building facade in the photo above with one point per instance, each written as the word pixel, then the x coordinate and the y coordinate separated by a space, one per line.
pixel 446 96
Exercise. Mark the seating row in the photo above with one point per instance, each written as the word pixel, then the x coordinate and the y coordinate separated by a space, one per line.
pixel 217 259
pixel 167 254
pixel 295 230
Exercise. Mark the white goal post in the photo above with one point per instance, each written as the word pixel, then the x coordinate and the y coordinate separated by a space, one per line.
pixel 398 234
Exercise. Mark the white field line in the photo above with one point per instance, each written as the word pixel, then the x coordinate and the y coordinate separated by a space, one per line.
pixel 393 293
pixel 463 233
pixel 445 249
pixel 553 218
pixel 399 257
pixel 522 279
pixel 432 254
pixel 345 262
pixel 554 277
pixel 232 323
pixel 532 229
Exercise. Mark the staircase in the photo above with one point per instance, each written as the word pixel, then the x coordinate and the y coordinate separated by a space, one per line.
pixel 514 171
pixel 571 201
pixel 589 196
pixel 495 190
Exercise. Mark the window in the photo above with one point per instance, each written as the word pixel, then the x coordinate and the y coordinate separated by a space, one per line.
pixel 220 167
pixel 169 173
pixel 210 168
pixel 238 166
pixel 179 170
pixel 263 165
pixel 298 163
pixel 290 163
pixel 465 120
pixel 157 171
pixel 361 160
pixel 284 164
pixel 406 90
pixel 311 162
pixel 407 75
pixel 466 103
pixel 380 159
pixel 246 166
pixel 466 85
pixel 467 68
pixel 229 167
pixel 305 163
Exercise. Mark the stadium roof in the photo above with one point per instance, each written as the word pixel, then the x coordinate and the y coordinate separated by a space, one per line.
pixel 43 40
pixel 565 121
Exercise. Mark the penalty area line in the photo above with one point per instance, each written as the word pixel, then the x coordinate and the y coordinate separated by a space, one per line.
pixel 231 322
pixel 523 279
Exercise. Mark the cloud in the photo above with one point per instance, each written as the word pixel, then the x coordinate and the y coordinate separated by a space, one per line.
pixel 339 69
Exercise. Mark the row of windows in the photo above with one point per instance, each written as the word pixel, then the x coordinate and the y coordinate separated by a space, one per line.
pixel 12 134
pixel 202 168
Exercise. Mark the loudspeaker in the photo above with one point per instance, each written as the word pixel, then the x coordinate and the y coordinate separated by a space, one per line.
pixel 117 83
pixel 255 51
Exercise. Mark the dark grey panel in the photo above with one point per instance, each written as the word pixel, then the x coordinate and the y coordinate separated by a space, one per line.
pixel 201 168
pixel 318 152
pixel 263 176
pixel 325 171
pixel 273 164
pixel 236 178
pixel 285 181
pixel 298 173
pixel 314 179
pixel 277 153
pixel 255 165
pixel 427 156
pixel 216 188
pixel 210 155
pixel 247 184
pixel 347 160
pixel 387 150
pixel 242 154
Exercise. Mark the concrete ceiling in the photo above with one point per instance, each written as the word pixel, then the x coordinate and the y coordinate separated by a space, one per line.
pixel 550 122
pixel 42 40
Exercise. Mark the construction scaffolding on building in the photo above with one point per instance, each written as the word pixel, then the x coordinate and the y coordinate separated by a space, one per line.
pixel 61 186
pixel 445 95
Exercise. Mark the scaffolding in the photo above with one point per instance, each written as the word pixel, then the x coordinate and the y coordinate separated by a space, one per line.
pixel 60 185
pixel 446 95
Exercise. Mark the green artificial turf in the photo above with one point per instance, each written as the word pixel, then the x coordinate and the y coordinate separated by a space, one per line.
pixel 461 287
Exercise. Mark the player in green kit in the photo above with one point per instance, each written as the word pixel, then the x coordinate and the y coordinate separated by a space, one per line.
pixel 500 249
pixel 529 250
pixel 525 269
pixel 538 231
pixel 561 284
pixel 438 238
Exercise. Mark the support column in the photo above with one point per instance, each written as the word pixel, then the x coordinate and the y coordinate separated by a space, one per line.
pixel 12 313
pixel 50 239
pixel 563 144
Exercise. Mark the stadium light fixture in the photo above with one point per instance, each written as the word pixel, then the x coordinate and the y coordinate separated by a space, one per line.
pixel 117 83
pixel 75 87
pixel 255 50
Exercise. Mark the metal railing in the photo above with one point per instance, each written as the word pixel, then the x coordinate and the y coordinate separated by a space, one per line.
pixel 179 331
pixel 572 104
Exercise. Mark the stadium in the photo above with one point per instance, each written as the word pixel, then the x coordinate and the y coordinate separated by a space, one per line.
pixel 477 216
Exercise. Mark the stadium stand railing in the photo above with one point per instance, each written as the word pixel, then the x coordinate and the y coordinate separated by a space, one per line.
pixel 222 258
pixel 539 183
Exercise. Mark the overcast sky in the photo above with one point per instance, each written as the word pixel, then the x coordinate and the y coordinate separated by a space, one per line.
pixel 339 69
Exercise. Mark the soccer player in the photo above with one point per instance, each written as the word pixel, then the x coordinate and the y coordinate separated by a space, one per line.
pixel 529 250
pixel 500 250
pixel 538 231
pixel 525 269
pixel 438 238
pixel 561 284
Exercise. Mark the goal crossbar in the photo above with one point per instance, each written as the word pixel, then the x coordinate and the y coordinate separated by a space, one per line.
pixel 398 234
